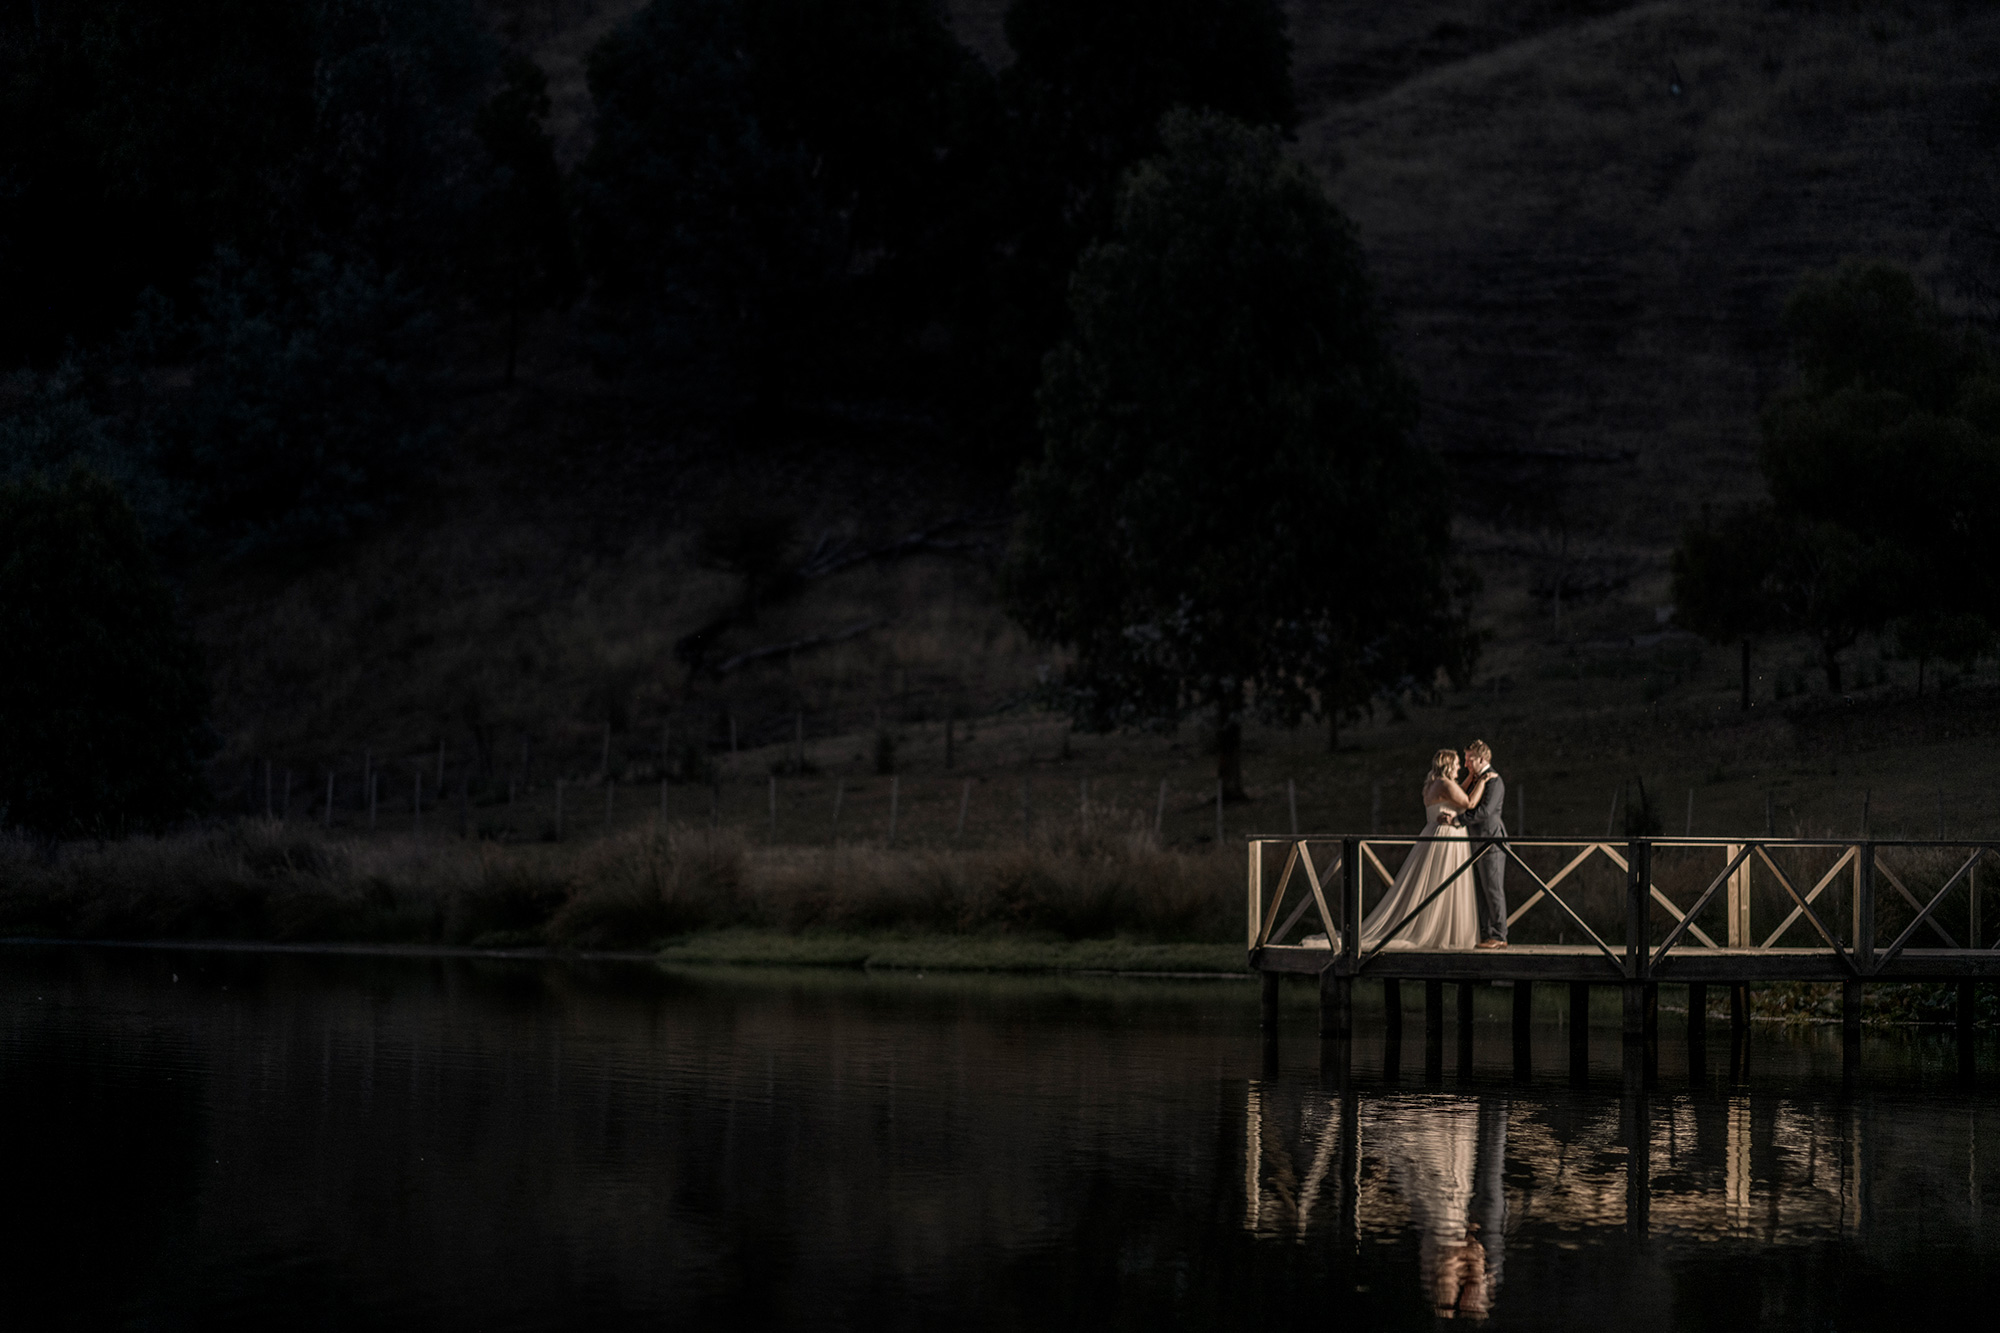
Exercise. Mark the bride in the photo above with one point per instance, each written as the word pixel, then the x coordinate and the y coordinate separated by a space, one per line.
pixel 1452 919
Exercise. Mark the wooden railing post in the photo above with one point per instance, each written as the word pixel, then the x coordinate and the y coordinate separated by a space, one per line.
pixel 1256 879
pixel 1739 900
pixel 1864 909
pixel 1638 879
pixel 1350 906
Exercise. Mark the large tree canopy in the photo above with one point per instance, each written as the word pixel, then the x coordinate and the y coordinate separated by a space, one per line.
pixel 1879 459
pixel 1229 511
pixel 103 696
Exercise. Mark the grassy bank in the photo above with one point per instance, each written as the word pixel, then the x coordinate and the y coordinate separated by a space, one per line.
pixel 1063 902
pixel 953 953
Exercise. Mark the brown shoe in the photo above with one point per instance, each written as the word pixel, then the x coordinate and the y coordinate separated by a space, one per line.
pixel 1492 944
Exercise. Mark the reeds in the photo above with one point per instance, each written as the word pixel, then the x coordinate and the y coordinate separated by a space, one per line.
pixel 632 889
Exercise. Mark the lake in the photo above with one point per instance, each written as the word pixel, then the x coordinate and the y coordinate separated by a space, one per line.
pixel 209 1139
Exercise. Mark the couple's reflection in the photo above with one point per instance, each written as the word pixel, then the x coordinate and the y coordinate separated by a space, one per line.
pixel 1442 1158
pixel 1445 1159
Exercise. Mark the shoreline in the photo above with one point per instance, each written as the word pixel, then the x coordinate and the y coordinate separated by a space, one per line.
pixel 751 949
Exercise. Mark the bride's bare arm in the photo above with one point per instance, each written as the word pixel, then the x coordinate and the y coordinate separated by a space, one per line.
pixel 1455 796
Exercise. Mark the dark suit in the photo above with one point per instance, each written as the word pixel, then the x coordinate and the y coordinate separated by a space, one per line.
pixel 1483 821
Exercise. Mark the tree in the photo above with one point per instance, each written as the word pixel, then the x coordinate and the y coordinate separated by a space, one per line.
pixel 1723 580
pixel 523 259
pixel 309 413
pixel 138 136
pixel 103 695
pixel 1878 459
pixel 1229 511
pixel 1834 585
pixel 1083 97
pixel 1890 436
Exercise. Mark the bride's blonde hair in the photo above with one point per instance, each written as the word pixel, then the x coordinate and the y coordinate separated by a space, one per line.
pixel 1444 766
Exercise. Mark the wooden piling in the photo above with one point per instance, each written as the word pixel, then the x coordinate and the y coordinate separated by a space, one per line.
pixel 1697 1015
pixel 1433 1027
pixel 1523 1027
pixel 1579 1029
pixel 1392 1008
pixel 1739 1009
pixel 1268 1006
pixel 1967 1012
pixel 1336 1005
pixel 1850 1011
pixel 1464 1029
pixel 1634 995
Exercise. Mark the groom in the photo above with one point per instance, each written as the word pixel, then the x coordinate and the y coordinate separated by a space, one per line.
pixel 1483 821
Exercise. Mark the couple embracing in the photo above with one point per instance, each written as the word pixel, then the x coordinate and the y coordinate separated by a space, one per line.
pixel 1472 910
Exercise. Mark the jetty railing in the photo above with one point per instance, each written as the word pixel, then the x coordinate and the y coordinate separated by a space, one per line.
pixel 1862 911
pixel 1733 911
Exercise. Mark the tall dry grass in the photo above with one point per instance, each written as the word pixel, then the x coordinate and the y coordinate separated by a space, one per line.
pixel 627 890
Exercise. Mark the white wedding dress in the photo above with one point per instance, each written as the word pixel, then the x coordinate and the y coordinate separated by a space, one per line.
pixel 1452 919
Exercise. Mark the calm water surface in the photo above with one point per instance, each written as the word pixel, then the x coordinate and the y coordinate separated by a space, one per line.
pixel 212 1140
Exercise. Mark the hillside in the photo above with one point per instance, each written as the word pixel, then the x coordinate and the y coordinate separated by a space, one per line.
pixel 1584 217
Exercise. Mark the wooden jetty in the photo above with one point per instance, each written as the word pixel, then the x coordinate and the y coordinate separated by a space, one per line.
pixel 1635 913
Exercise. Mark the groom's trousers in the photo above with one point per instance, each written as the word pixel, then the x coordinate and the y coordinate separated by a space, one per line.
pixel 1491 873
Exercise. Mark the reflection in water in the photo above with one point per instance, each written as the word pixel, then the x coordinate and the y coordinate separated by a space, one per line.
pixel 1463 1173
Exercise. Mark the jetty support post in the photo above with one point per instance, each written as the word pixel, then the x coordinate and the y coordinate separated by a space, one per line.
pixel 1267 1013
pixel 1524 1015
pixel 1637 879
pixel 1579 1031
pixel 1433 1029
pixel 1336 980
pixel 1637 986
pixel 1465 1027
pixel 1392 1009
pixel 1967 997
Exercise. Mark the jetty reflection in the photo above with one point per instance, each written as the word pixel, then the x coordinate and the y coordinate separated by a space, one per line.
pixel 1466 1172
